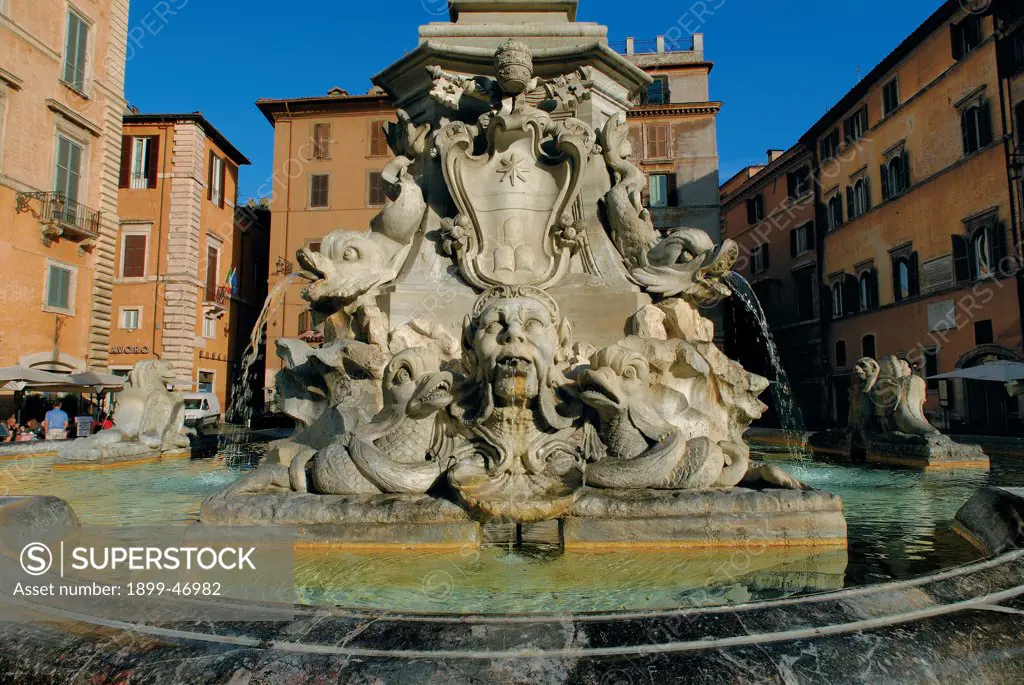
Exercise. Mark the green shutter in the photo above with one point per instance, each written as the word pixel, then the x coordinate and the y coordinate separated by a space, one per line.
pixel 59 288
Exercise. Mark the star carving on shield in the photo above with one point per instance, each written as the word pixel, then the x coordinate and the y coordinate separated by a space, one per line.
pixel 513 169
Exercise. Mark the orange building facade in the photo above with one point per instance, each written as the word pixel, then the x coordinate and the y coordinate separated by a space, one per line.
pixel 190 266
pixel 917 194
pixel 61 101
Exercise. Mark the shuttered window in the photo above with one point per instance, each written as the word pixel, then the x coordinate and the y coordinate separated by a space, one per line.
pixel 215 182
pixel 134 264
pixel 75 51
pixel 58 287
pixel 657 141
pixel 376 196
pixel 321 141
pixel 319 190
pixel 378 140
pixel 212 255
pixel 890 97
pixel 976 127
pixel 69 168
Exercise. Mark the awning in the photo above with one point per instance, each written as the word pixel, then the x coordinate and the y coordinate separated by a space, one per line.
pixel 97 381
pixel 997 372
pixel 24 378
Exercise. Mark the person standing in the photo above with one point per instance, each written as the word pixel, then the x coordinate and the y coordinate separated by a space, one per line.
pixel 55 423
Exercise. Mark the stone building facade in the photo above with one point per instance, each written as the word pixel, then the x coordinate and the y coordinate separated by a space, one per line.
pixel 190 266
pixel 917 185
pixel 61 99
pixel 329 152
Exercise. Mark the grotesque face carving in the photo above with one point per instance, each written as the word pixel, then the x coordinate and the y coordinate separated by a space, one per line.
pixel 513 64
pixel 516 343
pixel 513 343
pixel 617 376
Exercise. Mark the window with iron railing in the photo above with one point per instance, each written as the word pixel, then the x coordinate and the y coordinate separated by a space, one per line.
pixel 657 92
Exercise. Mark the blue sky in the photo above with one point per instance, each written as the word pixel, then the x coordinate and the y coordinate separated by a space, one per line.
pixel 778 66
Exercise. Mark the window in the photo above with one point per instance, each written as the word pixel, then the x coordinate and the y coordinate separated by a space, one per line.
pixel 976 127
pixel 857 200
pixel 867 347
pixel 133 255
pixel 378 139
pixel 657 141
pixel 837 300
pixel 980 253
pixel 868 290
pixel 931 367
pixel 657 92
pixel 1017 52
pixel 801 239
pixel 319 190
pixel 983 334
pixel 658 187
pixel 75 51
pixel 376 196
pixel 890 97
pixel 856 126
pixel 755 209
pixel 805 293
pixel 834 212
pixel 130 319
pixel 905 283
pixel 759 261
pixel 966 36
pixel 215 183
pixel 830 145
pixel 204 381
pixel 212 266
pixel 58 288
pixel 209 327
pixel 69 168
pixel 139 161
pixel 840 355
pixel 799 182
pixel 895 176
pixel 321 141
pixel 1020 123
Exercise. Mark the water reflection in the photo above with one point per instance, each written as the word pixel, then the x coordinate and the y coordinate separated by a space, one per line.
pixel 899 527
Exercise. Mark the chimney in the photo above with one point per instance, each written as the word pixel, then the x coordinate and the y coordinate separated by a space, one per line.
pixel 774 155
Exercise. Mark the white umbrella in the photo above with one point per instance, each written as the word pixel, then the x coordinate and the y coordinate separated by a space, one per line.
pixel 998 372
pixel 24 374
pixel 96 380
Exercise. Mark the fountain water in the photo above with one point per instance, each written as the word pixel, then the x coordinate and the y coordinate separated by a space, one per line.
pixel 241 392
pixel 790 416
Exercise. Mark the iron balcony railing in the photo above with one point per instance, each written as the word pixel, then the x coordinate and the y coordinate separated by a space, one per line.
pixel 217 295
pixel 70 214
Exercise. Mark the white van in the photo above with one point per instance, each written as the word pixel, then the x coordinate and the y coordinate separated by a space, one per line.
pixel 202 410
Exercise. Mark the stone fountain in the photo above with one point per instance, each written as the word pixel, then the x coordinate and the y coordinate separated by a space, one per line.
pixel 513 351
pixel 149 423
pixel 887 424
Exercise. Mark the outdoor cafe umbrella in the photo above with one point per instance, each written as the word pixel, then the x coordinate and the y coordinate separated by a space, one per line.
pixel 997 372
pixel 96 381
pixel 18 377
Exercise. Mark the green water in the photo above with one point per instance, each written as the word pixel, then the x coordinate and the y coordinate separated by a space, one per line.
pixel 899 527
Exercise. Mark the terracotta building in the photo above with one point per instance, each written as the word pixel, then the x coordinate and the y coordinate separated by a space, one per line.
pixel 61 101
pixel 189 266
pixel 769 210
pixel 919 221
pixel 329 152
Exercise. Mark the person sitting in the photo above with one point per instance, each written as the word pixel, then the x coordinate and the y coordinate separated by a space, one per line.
pixel 9 430
pixel 55 423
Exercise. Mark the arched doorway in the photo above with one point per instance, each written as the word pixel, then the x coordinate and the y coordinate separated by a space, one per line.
pixel 987 407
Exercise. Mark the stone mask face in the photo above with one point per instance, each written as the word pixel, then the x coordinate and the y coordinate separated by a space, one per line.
pixel 515 346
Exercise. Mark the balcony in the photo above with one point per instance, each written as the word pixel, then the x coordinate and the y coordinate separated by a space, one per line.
pixel 60 217
pixel 215 300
